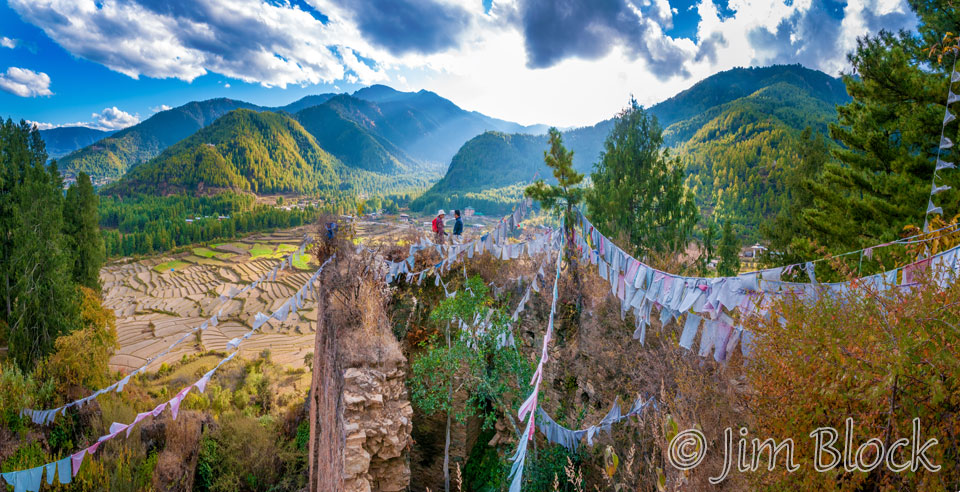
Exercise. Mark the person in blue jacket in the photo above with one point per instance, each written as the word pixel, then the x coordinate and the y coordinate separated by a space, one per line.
pixel 457 228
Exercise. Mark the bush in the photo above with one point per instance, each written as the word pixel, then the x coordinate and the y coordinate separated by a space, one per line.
pixel 881 358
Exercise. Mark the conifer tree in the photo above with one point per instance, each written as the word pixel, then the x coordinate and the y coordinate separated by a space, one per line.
pixel 729 251
pixel 638 191
pixel 82 225
pixel 566 194
pixel 39 298
pixel 889 135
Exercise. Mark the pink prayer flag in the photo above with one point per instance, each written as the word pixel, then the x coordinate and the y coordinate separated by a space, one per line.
pixel 76 460
pixel 117 427
pixel 202 383
pixel 157 411
pixel 93 449
pixel 175 405
pixel 912 272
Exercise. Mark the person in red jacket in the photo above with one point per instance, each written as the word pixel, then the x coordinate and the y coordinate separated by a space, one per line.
pixel 438 227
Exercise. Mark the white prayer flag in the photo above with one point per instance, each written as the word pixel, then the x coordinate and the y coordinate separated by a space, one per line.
pixel 932 209
pixel 952 98
pixel 945 165
pixel 937 189
pixel 955 77
pixel 945 143
pixel 948 117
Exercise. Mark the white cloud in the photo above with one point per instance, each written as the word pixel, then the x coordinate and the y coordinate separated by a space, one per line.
pixel 227 85
pixel 42 126
pixel 8 42
pixel 113 119
pixel 273 44
pixel 25 83
pixel 486 68
pixel 162 107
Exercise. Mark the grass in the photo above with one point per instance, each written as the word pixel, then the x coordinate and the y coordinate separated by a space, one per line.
pixel 301 262
pixel 225 256
pixel 172 264
pixel 204 252
pixel 259 250
pixel 286 248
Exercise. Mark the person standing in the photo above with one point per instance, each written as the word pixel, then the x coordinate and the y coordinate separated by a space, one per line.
pixel 457 228
pixel 438 227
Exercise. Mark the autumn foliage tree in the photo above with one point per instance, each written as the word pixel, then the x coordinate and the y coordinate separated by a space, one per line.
pixel 880 358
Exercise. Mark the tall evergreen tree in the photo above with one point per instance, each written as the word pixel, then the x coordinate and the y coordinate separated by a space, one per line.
pixel 889 136
pixel 82 225
pixel 39 299
pixel 729 251
pixel 638 191
pixel 566 194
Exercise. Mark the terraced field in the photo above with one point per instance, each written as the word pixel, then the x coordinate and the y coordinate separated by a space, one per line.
pixel 156 300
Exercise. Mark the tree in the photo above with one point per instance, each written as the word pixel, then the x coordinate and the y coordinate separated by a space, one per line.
pixel 638 190
pixel 470 362
pixel 39 298
pixel 709 246
pixel 81 219
pixel 729 251
pixel 889 136
pixel 567 193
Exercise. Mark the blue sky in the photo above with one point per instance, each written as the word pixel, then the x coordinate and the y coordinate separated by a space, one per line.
pixel 109 64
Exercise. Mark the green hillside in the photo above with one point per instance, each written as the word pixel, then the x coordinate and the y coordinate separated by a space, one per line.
pixel 739 161
pixel 736 144
pixel 341 128
pixel 112 156
pixel 245 150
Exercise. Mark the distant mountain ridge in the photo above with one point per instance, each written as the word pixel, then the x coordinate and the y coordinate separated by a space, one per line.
pixel 65 139
pixel 785 98
pixel 411 130
pixel 114 155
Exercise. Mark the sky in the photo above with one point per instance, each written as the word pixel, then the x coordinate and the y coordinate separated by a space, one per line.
pixel 108 64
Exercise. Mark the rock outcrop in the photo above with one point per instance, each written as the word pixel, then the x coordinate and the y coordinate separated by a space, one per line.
pixel 377 424
pixel 361 417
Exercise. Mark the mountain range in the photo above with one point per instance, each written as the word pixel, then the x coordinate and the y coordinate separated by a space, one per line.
pixel 376 129
pixel 63 140
pixel 730 129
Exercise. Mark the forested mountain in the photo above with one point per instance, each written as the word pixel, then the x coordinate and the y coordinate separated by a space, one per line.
pixel 736 131
pixel 65 139
pixel 245 150
pixel 342 127
pixel 395 131
pixel 114 155
pixel 306 102
pixel 429 127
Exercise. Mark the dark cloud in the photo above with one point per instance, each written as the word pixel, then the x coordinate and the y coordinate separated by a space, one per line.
pixel 813 37
pixel 558 29
pixel 409 26
pixel 707 50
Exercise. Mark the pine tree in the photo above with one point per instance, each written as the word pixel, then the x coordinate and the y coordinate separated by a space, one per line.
pixel 638 191
pixel 566 194
pixel 39 299
pixel 729 251
pixel 889 135
pixel 82 225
